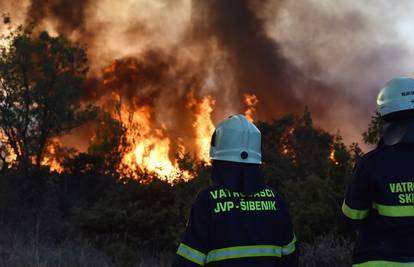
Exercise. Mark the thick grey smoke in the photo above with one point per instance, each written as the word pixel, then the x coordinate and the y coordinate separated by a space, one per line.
pixel 332 56
pixel 358 45
pixel 257 60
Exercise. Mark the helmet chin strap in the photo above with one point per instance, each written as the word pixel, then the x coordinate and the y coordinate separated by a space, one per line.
pixel 399 132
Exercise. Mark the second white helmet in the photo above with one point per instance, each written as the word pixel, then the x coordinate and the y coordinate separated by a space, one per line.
pixel 397 95
pixel 236 139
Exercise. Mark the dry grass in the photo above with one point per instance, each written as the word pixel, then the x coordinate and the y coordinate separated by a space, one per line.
pixel 23 249
pixel 326 251
pixel 68 254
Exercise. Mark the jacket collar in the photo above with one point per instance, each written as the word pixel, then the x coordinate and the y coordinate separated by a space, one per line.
pixel 238 177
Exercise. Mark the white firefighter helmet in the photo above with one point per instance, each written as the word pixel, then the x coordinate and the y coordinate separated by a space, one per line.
pixel 397 95
pixel 238 140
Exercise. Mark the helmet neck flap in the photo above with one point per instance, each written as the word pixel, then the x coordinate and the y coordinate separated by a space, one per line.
pixel 398 132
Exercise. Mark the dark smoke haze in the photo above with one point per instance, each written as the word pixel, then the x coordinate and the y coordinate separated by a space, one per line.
pixel 332 56
pixel 69 15
pixel 257 61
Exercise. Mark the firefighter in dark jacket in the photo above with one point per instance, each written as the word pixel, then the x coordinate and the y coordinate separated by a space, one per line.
pixel 238 221
pixel 380 198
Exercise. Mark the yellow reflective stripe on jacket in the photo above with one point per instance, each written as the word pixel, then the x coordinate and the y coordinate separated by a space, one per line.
pixel 354 214
pixel 244 251
pixel 251 251
pixel 384 264
pixel 289 248
pixel 394 211
pixel 191 254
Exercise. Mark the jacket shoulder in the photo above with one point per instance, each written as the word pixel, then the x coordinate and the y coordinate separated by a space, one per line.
pixel 373 153
pixel 204 194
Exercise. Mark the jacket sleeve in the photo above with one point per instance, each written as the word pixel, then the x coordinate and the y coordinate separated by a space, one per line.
pixel 289 246
pixel 358 200
pixel 193 248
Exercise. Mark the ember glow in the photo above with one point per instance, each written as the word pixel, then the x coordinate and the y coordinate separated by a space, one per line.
pixel 332 156
pixel 284 141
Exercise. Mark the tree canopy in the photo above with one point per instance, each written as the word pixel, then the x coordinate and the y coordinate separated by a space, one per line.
pixel 41 82
pixel 373 134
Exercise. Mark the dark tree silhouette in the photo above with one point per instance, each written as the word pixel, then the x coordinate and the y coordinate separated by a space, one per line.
pixel 41 81
pixel 373 135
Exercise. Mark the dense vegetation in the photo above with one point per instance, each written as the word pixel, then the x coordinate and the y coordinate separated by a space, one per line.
pixel 88 210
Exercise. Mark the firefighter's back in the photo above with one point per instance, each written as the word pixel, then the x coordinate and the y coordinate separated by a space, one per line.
pixel 243 227
pixel 228 228
pixel 389 228
pixel 380 198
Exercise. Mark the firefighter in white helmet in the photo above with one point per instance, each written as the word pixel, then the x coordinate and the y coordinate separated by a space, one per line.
pixel 380 199
pixel 238 221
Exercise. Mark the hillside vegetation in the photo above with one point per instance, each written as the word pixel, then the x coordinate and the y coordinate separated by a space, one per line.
pixel 88 214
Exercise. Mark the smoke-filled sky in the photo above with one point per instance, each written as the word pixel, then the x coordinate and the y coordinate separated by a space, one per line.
pixel 332 56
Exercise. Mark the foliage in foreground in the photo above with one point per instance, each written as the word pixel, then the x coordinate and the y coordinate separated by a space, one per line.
pixel 118 217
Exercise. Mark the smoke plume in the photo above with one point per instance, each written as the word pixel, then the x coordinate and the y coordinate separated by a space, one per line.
pixel 330 56
pixel 257 61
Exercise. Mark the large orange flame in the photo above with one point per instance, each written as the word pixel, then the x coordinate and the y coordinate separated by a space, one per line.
pixel 202 124
pixel 149 149
pixel 51 157
pixel 250 100
pixel 145 148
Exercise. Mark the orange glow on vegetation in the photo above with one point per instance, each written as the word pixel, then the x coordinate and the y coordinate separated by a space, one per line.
pixel 51 157
pixel 332 156
pixel 146 143
pixel 7 154
pixel 286 150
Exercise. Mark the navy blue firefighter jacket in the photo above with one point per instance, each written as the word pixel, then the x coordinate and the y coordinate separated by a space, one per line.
pixel 380 203
pixel 238 222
